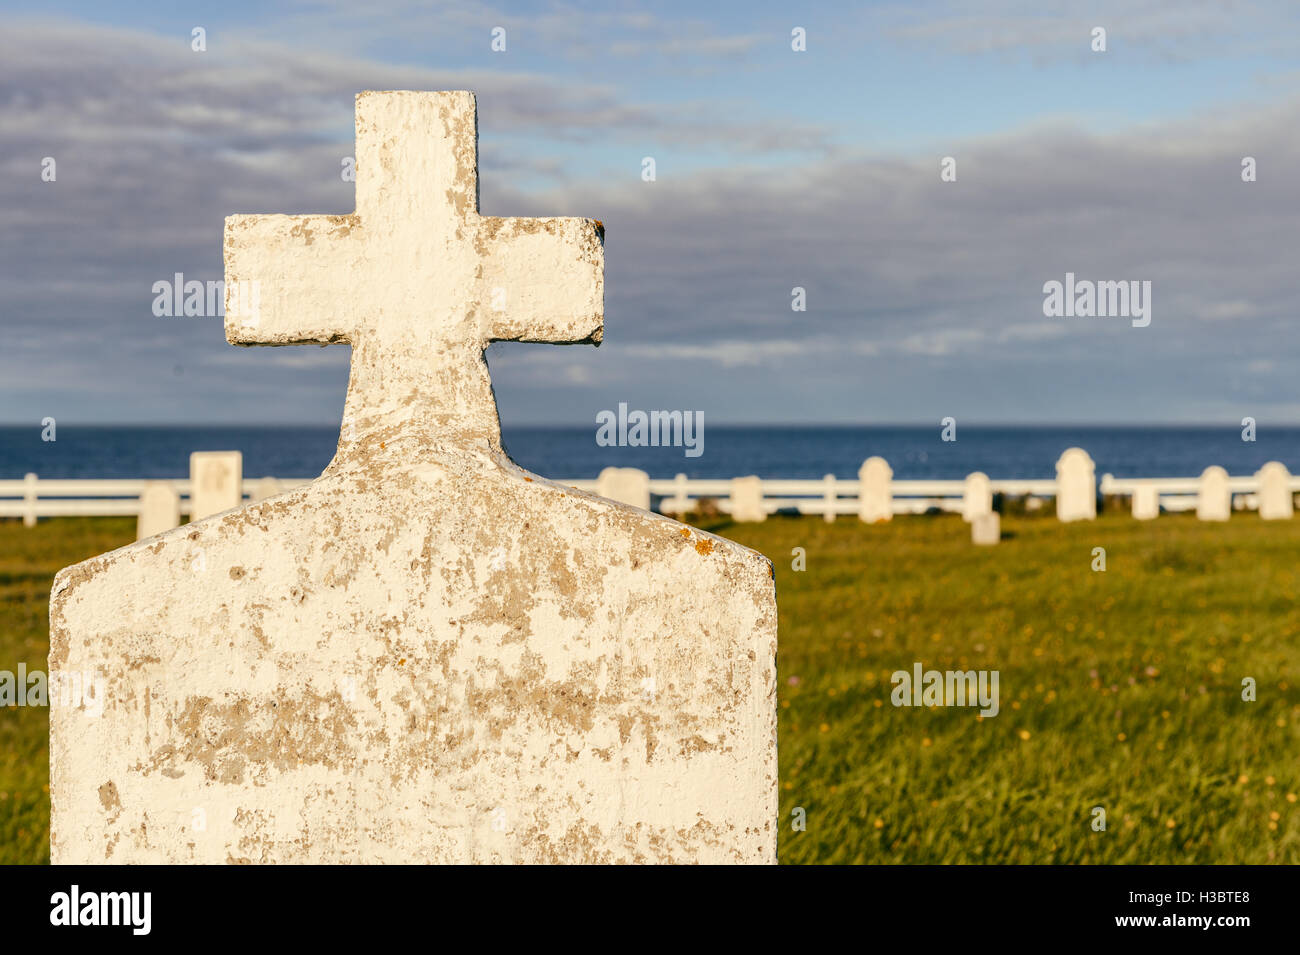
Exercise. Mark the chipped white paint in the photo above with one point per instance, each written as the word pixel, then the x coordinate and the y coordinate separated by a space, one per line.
pixel 160 509
pixel 625 485
pixel 427 654
pixel 216 482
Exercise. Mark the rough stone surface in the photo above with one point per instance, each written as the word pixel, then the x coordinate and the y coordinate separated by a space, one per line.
pixel 626 485
pixel 427 654
pixel 875 495
pixel 160 509
pixel 977 496
pixel 216 482
pixel 1146 503
pixel 1275 499
pixel 986 529
pixel 747 500
pixel 1213 499
pixel 1076 486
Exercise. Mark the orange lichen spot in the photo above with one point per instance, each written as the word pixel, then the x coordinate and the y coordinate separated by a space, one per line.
pixel 685 532
pixel 529 480
pixel 704 546
pixel 402 662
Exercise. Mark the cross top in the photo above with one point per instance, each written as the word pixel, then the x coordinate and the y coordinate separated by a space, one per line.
pixel 416 280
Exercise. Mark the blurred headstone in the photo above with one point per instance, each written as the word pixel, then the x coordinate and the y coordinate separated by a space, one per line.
pixel 216 482
pixel 160 509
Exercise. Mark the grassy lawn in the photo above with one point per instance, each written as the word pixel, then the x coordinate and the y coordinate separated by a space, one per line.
pixel 29 559
pixel 1119 690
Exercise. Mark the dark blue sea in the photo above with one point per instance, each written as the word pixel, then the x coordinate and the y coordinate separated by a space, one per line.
pixel 772 452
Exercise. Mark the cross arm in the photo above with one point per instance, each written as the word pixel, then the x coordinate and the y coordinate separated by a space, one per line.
pixel 542 280
pixel 291 279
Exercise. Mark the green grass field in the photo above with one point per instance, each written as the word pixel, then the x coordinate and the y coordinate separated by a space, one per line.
pixel 1119 689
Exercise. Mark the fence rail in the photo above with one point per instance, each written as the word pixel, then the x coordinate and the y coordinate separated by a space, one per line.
pixel 31 498
pixel 874 496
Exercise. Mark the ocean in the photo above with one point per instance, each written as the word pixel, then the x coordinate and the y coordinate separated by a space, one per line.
pixel 781 451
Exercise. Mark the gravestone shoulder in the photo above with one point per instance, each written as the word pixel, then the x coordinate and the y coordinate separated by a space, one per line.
pixel 456 665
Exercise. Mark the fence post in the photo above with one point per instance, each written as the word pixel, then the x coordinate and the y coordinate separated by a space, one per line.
pixel 29 499
pixel 831 497
pixel 679 496
pixel 1146 502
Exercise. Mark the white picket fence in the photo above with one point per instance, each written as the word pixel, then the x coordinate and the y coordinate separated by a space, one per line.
pixel 32 497
pixel 874 496
pixel 829 496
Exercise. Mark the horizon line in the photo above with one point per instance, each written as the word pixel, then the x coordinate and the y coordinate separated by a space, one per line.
pixel 1231 424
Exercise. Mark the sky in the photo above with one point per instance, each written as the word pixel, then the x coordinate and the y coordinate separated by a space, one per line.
pixel 774 169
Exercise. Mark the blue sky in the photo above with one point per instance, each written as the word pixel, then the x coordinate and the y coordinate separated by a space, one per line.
pixel 775 169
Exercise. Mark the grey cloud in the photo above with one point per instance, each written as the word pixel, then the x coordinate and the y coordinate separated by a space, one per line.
pixel 1169 30
pixel 922 296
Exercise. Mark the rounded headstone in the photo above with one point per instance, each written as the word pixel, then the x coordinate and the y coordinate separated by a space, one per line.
pixel 876 496
pixel 1213 499
pixel 160 509
pixel 1076 486
pixel 747 500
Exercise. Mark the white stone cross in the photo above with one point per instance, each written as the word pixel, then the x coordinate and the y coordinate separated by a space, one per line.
pixel 416 280
pixel 426 654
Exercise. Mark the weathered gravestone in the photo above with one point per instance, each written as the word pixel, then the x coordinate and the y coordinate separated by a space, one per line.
pixel 160 509
pixel 1275 500
pixel 427 654
pixel 1076 486
pixel 1213 496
